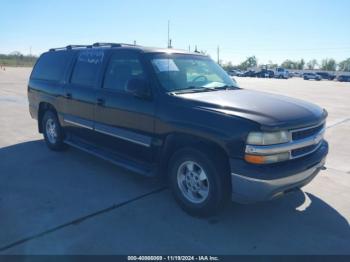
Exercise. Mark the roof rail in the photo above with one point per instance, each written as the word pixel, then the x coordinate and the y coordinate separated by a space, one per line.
pixel 106 44
pixel 124 44
pixel 69 47
pixel 112 44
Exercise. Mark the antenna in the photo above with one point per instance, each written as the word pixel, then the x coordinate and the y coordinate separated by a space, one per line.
pixel 169 40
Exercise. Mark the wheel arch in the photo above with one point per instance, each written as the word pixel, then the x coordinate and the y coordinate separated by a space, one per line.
pixel 43 107
pixel 174 142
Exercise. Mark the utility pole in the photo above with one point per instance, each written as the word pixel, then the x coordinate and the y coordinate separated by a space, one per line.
pixel 218 54
pixel 196 50
pixel 134 42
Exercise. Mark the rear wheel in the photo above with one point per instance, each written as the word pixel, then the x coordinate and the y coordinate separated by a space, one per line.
pixel 200 184
pixel 53 133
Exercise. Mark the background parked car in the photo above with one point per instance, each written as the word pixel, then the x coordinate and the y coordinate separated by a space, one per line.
pixel 282 73
pixel 308 76
pixel 296 74
pixel 344 78
pixel 234 72
pixel 265 73
pixel 326 75
pixel 249 73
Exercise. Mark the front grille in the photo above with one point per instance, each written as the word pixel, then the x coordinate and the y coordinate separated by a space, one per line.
pixel 304 150
pixel 304 133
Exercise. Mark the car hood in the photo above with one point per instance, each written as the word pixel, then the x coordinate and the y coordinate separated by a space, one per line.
pixel 271 111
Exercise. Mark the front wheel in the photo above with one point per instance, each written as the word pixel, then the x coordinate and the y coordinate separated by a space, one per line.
pixel 200 184
pixel 53 133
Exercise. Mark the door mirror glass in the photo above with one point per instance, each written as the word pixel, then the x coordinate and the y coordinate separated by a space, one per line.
pixel 138 87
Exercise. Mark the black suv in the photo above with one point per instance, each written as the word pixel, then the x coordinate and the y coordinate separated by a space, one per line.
pixel 179 115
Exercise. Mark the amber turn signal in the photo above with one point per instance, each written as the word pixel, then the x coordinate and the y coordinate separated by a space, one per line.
pixel 254 159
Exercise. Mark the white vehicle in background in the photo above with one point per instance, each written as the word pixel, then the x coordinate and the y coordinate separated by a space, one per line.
pixel 308 76
pixel 281 73
pixel 297 74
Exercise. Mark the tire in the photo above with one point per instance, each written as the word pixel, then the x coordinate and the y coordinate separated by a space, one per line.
pixel 52 130
pixel 214 184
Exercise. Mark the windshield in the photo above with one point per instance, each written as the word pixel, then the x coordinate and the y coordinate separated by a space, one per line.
pixel 179 72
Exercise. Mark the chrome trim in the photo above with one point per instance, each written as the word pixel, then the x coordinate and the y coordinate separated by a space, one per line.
pixel 285 180
pixel 285 147
pixel 306 128
pixel 77 124
pixel 122 137
pixel 111 131
pixel 309 152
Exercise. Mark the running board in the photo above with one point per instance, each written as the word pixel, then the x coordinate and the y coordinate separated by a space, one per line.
pixel 114 158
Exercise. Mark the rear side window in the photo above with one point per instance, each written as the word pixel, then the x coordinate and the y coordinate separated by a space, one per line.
pixel 122 67
pixel 51 66
pixel 87 67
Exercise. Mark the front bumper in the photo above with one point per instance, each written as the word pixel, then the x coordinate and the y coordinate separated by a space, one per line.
pixel 264 182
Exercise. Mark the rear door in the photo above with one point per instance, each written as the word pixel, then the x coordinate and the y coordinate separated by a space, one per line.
pixel 123 122
pixel 80 93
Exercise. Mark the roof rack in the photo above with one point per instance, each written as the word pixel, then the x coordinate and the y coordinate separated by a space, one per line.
pixel 106 44
pixel 111 44
pixel 70 47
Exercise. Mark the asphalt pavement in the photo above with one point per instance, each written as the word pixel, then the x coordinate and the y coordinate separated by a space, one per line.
pixel 73 203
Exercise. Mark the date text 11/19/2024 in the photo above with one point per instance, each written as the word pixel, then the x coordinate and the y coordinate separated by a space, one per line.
pixel 173 258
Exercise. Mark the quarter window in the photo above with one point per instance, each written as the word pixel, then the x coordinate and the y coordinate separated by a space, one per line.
pixel 52 65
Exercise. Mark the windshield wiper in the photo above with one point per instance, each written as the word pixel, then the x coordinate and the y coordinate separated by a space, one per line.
pixel 192 89
pixel 226 87
pixel 195 89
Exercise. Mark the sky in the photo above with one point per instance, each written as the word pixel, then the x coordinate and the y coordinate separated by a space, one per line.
pixel 271 30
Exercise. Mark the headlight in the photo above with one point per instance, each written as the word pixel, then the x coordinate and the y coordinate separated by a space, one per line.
pixel 268 138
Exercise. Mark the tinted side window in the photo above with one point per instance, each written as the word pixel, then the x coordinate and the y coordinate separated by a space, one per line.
pixel 122 67
pixel 52 65
pixel 87 66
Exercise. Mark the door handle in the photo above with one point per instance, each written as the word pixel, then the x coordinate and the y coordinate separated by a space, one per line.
pixel 68 95
pixel 100 101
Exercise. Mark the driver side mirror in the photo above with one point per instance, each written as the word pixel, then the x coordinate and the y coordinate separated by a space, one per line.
pixel 139 88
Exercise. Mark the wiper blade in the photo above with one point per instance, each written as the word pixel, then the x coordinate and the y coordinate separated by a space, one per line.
pixel 225 87
pixel 192 89
pixel 195 89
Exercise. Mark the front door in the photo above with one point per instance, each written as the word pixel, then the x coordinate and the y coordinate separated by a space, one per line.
pixel 123 122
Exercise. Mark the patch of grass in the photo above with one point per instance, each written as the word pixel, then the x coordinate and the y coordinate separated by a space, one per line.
pixel 17 60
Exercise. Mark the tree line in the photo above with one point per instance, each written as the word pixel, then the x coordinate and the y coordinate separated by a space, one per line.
pixel 17 59
pixel 328 64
